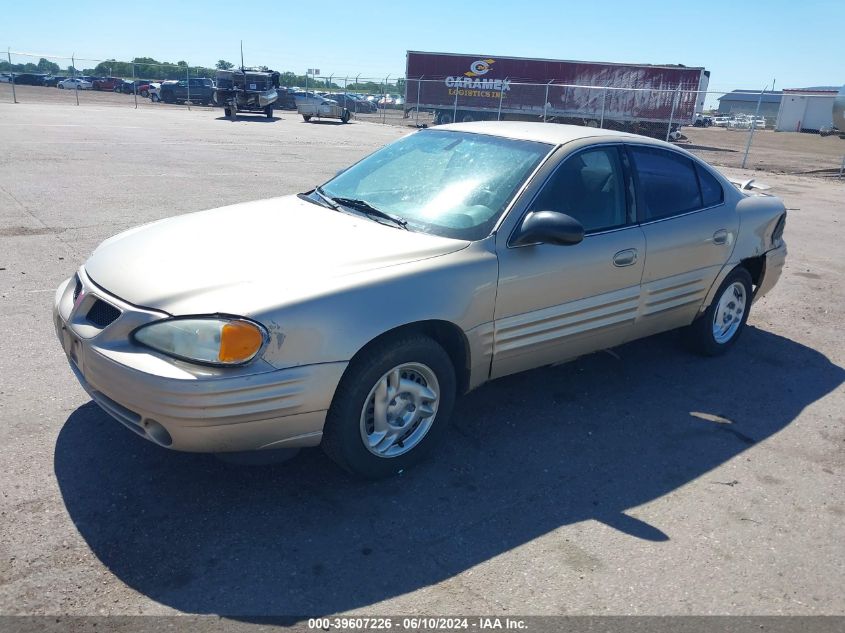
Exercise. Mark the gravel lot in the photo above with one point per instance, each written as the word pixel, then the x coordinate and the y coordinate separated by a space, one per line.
pixel 603 486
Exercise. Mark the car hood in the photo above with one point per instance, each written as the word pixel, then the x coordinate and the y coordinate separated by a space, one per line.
pixel 250 257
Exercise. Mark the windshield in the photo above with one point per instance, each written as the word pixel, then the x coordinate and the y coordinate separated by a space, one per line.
pixel 452 184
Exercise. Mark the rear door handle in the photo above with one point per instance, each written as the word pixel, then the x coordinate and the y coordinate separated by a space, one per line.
pixel 625 258
pixel 720 236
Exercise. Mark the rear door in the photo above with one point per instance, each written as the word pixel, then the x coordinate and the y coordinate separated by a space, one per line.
pixel 558 302
pixel 689 234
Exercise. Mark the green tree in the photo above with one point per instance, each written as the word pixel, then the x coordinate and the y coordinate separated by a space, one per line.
pixel 46 66
pixel 222 64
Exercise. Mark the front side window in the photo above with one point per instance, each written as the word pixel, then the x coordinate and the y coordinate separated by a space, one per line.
pixel 452 184
pixel 667 181
pixel 588 186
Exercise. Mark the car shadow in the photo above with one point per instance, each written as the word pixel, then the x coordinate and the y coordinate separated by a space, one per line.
pixel 327 122
pixel 692 147
pixel 257 118
pixel 525 455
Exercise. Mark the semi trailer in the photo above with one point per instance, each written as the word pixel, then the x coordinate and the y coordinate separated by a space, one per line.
pixel 640 98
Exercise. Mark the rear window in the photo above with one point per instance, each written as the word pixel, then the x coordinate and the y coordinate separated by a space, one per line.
pixel 711 190
pixel 667 181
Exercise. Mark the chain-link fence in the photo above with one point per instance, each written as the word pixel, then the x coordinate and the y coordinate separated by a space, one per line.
pixel 787 131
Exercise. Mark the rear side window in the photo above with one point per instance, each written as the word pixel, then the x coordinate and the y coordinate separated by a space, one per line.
pixel 667 181
pixel 711 190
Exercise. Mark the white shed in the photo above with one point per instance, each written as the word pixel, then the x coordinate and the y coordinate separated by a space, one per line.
pixel 805 110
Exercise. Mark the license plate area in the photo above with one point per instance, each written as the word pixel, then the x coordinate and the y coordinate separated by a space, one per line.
pixel 72 346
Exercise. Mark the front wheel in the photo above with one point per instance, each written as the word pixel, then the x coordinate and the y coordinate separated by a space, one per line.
pixel 718 328
pixel 391 406
pixel 344 117
pixel 268 112
pixel 306 117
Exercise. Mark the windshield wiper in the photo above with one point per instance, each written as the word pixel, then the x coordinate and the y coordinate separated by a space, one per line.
pixel 367 209
pixel 329 201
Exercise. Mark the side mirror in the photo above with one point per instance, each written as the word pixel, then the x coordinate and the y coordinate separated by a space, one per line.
pixel 549 227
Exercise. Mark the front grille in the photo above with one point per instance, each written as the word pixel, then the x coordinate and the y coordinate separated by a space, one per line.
pixel 102 314
pixel 77 288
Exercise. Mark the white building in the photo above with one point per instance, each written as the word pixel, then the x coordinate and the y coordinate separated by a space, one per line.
pixel 805 110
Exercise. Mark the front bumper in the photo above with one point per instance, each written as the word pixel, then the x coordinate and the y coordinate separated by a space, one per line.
pixel 179 405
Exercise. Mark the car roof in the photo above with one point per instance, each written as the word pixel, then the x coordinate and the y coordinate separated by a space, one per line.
pixel 554 133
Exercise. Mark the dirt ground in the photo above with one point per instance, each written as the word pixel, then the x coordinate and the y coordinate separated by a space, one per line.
pixel 642 481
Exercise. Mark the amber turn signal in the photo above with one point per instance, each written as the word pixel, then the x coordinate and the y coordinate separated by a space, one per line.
pixel 239 341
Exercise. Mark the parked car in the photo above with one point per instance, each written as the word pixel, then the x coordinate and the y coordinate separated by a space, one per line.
pixel 29 79
pixel 315 106
pixel 353 102
pixel 5 78
pixel 154 91
pixel 74 83
pixel 199 90
pixel 111 84
pixel 489 248
pixel 53 80
pixel 702 120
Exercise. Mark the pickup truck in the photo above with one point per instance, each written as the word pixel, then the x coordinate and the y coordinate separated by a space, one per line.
pixel 198 90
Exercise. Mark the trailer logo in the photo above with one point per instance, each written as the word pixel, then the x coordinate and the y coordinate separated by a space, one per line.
pixel 480 67
pixel 474 84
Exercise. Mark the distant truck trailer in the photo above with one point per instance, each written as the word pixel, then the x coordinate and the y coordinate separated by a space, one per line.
pixel 640 98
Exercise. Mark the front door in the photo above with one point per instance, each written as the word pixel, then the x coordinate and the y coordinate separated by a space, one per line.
pixel 558 302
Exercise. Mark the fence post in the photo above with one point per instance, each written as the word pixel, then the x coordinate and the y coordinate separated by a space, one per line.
pixel 603 106
pixel 134 86
pixel 384 105
pixel 12 75
pixel 546 101
pixel 417 110
pixel 76 88
pixel 188 84
pixel 753 126
pixel 501 96
pixel 455 107
pixel 672 113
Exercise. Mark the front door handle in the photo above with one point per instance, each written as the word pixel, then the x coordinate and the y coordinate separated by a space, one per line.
pixel 625 258
pixel 720 236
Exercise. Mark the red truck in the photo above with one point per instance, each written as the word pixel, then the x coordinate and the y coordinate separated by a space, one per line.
pixel 641 98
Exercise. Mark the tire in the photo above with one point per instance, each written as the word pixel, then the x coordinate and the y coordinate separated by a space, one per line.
pixel 227 112
pixel 344 118
pixel 60 87
pixel 468 118
pixel 444 118
pixel 306 117
pixel 268 112
pixel 720 326
pixel 425 369
pixel 145 93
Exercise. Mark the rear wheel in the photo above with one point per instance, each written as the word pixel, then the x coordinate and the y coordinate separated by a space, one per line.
pixel 444 118
pixel 345 116
pixel 307 117
pixel 268 112
pixel 391 406
pixel 718 328
pixel 145 93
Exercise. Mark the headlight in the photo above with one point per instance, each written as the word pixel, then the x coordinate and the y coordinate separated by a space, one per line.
pixel 210 340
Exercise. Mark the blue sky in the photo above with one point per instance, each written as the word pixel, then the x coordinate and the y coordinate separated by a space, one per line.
pixel 743 44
